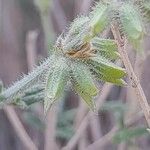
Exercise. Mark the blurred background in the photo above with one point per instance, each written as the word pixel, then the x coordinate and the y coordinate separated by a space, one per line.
pixel 28 30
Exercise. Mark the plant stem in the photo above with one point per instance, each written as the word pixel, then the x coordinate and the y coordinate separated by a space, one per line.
pixel 107 138
pixel 132 76
pixel 19 128
pixel 83 125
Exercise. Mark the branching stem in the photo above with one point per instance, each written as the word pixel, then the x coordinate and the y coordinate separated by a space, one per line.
pixel 133 78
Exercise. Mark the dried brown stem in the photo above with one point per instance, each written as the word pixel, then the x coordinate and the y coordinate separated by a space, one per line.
pixel 133 78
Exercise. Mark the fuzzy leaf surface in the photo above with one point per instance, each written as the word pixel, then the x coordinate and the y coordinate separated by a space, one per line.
pixel 84 84
pixel 99 18
pixel 19 87
pixel 105 47
pixel 55 83
pixel 132 24
pixel 104 67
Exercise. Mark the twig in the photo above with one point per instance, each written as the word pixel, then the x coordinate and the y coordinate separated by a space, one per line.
pixel 17 125
pixel 9 110
pixel 31 39
pixel 82 110
pixel 108 137
pixel 50 132
pixel 103 141
pixel 83 142
pixel 95 127
pixel 73 141
pixel 133 105
pixel 133 78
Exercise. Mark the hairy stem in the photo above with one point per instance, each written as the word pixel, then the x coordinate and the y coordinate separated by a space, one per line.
pixel 133 78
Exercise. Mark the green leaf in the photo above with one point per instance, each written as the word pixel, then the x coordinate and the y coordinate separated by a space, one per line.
pixel 1 98
pixel 19 87
pixel 106 44
pixel 85 96
pixel 106 68
pixel 65 128
pixel 1 89
pixel 37 88
pixel 99 18
pixel 84 84
pixel 65 132
pixel 105 47
pixel 118 109
pixel 128 134
pixel 55 83
pixel 115 106
pixel 132 24
pixel 119 82
pixel 18 102
pixel 66 117
pixel 146 7
pixel 34 98
pixel 1 86
pixel 33 120
pixel 77 33
pixel 78 24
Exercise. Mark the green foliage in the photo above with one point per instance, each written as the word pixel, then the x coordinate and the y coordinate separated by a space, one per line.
pixel 130 16
pixel 28 81
pixel 146 8
pixel 114 106
pixel 1 89
pixel 80 57
pixel 106 48
pixel 33 120
pixel 124 134
pixel 132 24
pixel 107 68
pixel 128 134
pixel 43 5
pixel 78 24
pixel 83 84
pixel 76 34
pixel 65 124
pixel 32 95
pixel 1 86
pixel 55 83
pixel 99 18
pixel 118 109
pixel 107 71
